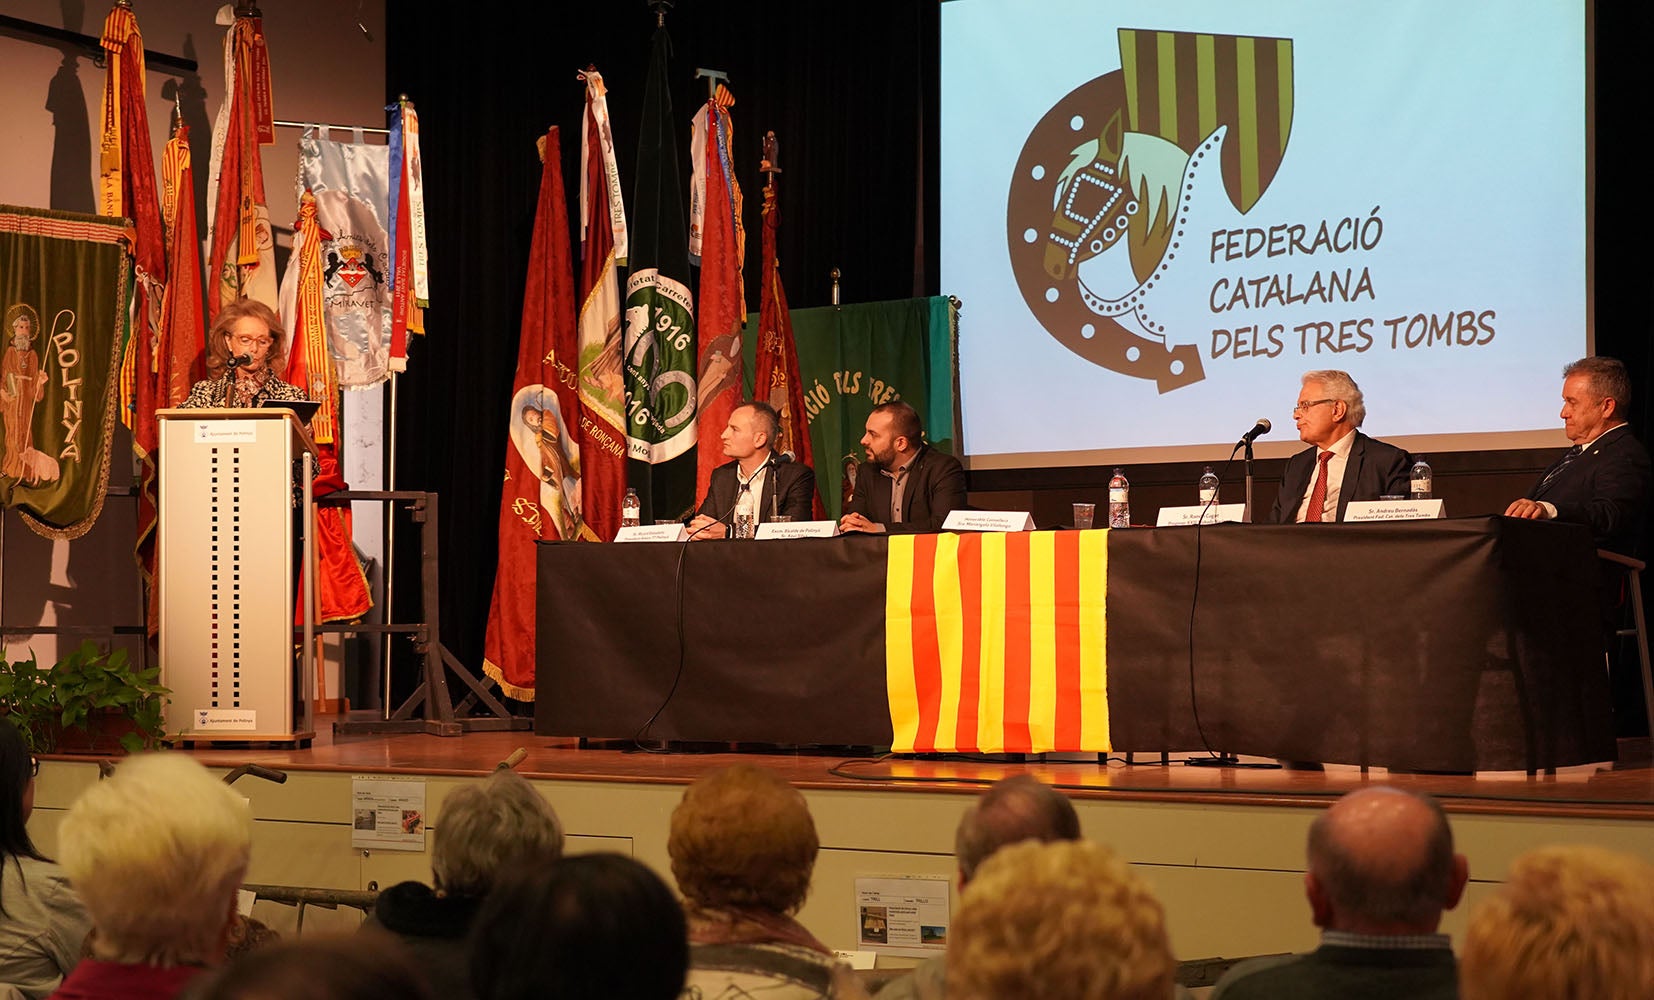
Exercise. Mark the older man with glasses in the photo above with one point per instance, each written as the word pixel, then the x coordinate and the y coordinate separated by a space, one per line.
pixel 1343 464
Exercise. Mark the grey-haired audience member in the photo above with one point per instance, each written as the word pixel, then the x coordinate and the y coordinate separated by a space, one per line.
pixel 157 853
pixel 1382 870
pixel 1011 810
pixel 485 831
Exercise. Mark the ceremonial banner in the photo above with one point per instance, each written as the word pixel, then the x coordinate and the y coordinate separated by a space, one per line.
pixel 541 499
pixel 182 338
pixel 602 433
pixel 127 190
pixel 64 292
pixel 776 377
pixel 351 183
pixel 660 350
pixel 852 358
pixel 409 256
pixel 995 643
pixel 720 245
pixel 242 260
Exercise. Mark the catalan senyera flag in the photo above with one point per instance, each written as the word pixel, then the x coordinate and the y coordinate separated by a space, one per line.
pixel 541 499
pixel 241 261
pixel 723 309
pixel 602 432
pixel 775 368
pixel 995 642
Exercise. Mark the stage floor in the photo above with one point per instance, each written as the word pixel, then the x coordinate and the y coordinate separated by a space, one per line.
pixel 1621 791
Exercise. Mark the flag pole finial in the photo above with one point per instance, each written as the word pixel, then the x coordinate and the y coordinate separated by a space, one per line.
pixel 770 163
pixel 661 7
pixel 835 287
pixel 713 76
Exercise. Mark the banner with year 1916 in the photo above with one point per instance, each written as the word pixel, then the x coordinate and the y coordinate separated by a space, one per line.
pixel 65 288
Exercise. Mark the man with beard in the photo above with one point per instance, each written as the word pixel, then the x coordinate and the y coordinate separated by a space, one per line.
pixel 905 485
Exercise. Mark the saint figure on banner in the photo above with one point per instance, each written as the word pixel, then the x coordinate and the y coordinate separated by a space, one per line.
pixel 22 385
pixel 541 437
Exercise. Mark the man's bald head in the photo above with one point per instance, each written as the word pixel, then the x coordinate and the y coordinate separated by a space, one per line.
pixel 1381 861
pixel 1012 810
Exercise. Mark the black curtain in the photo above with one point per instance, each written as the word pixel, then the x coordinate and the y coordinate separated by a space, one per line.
pixel 849 90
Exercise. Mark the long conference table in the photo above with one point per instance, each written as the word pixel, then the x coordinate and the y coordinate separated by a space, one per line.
pixel 1457 645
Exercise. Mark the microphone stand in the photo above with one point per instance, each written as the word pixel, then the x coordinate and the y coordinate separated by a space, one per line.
pixel 1248 442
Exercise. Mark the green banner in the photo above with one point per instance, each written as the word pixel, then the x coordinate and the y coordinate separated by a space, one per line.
pixel 851 359
pixel 65 281
pixel 659 347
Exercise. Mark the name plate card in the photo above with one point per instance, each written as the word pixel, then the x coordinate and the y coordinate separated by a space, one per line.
pixel 674 532
pixel 1218 513
pixel 797 529
pixel 1393 510
pixel 989 520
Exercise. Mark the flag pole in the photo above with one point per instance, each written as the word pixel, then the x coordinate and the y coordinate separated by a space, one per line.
pixel 661 7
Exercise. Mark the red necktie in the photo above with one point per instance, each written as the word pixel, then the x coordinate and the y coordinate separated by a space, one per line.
pixel 1318 495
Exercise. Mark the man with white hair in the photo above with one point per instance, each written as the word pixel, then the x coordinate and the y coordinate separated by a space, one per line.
pixel 157 853
pixel 1343 464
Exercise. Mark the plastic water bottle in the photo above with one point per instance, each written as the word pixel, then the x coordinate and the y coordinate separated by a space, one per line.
pixel 1119 501
pixel 1421 480
pixel 744 505
pixel 631 510
pixel 1208 487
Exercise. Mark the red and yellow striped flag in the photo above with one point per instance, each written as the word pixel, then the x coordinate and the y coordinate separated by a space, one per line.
pixel 996 643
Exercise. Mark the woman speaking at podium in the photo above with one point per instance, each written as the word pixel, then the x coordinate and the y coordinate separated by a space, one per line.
pixel 244 348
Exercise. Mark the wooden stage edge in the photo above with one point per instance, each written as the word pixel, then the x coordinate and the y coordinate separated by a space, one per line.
pixel 1623 790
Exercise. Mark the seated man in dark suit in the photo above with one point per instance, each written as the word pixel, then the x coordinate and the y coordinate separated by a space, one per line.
pixel 1345 464
pixel 905 485
pixel 777 485
pixel 1381 871
pixel 1603 480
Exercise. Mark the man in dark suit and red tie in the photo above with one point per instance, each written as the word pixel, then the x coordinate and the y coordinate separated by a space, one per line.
pixel 1601 482
pixel 1344 464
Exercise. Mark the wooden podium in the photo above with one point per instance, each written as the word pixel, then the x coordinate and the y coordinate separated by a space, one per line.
pixel 225 573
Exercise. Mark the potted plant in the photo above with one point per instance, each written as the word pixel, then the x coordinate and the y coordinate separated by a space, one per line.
pixel 90 701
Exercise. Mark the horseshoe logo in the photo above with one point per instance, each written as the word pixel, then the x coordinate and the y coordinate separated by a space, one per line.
pixel 1101 191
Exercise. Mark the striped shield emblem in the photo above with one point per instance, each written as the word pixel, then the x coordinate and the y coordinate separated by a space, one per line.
pixel 1181 86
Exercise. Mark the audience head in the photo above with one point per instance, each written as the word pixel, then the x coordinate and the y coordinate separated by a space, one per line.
pixel 360 967
pixel 1057 921
pixel 17 767
pixel 1570 922
pixel 157 853
pixel 595 925
pixel 1012 810
pixel 490 828
pixel 1381 861
pixel 742 838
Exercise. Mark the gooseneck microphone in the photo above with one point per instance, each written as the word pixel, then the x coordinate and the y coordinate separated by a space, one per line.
pixel 1258 430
